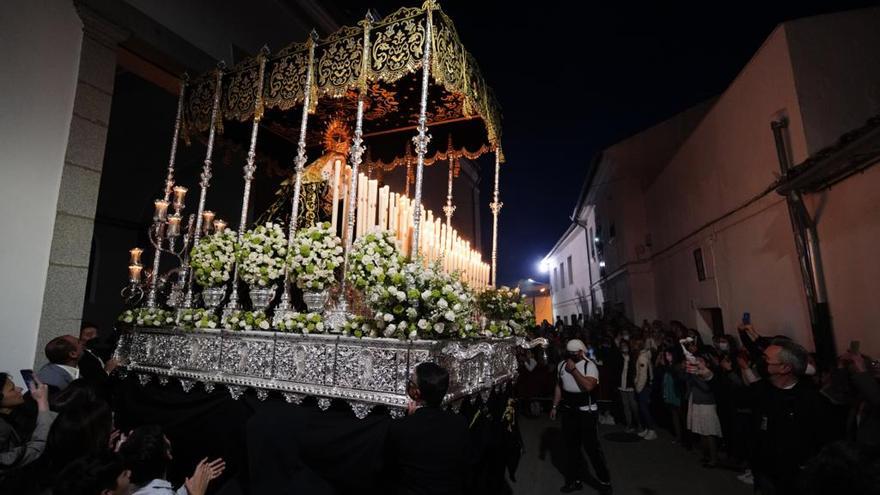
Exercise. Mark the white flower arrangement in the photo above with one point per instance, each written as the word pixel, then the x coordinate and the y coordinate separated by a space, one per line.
pixel 302 323
pixel 359 327
pixel 504 311
pixel 248 320
pixel 314 256
pixel 421 302
pixel 148 317
pixel 374 258
pixel 261 255
pixel 212 258
pixel 198 318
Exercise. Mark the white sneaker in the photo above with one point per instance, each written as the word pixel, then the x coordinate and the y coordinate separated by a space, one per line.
pixel 650 435
pixel 747 477
pixel 643 433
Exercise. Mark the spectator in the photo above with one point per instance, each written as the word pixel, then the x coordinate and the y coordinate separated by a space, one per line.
pixel 428 449
pixel 842 467
pixel 627 388
pixel 91 366
pixel 17 449
pixel 855 383
pixel 101 473
pixel 147 452
pixel 788 419
pixel 702 417
pixel 63 354
pixel 672 384
pixel 83 427
pixel 642 386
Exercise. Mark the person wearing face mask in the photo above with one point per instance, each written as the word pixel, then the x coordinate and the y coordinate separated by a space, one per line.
pixel 627 389
pixel 575 399
pixel 788 419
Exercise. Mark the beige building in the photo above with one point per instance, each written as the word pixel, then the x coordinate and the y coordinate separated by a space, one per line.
pixel 689 219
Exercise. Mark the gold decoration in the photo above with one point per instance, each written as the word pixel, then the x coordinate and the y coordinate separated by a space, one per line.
pixel 337 137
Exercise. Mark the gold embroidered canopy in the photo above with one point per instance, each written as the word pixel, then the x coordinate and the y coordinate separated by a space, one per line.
pixel 461 106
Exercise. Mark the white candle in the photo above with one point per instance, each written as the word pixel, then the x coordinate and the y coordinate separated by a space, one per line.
pixel 334 217
pixel 174 225
pixel 161 210
pixel 134 273
pixel 207 221
pixel 135 256
pixel 219 226
pixel 179 196
pixel 384 193
pixel 372 204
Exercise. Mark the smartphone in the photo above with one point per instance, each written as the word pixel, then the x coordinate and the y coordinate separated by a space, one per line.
pixel 854 346
pixel 28 377
pixel 747 318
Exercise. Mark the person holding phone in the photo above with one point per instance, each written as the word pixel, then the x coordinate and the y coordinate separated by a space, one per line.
pixel 576 387
pixel 16 448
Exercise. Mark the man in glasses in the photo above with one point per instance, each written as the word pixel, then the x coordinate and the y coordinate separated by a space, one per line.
pixel 428 448
pixel 788 414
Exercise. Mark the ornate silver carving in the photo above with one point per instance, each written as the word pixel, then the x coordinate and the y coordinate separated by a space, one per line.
pixel 163 380
pixel 323 403
pixel 366 370
pixel 293 398
pixel 262 394
pixel 236 391
pixel 213 296
pixel 144 379
pixel 315 301
pixel 421 140
pixel 361 409
pixel 396 412
pixel 187 385
pixel 261 297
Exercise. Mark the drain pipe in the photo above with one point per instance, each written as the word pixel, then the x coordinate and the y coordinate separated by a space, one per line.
pixel 807 244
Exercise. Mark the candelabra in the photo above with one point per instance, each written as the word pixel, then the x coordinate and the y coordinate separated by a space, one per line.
pixel 167 236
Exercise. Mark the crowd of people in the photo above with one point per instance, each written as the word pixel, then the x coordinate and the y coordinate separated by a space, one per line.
pixel 759 404
pixel 59 437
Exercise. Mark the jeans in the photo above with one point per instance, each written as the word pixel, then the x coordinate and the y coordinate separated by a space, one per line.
pixel 630 409
pixel 644 400
pixel 580 431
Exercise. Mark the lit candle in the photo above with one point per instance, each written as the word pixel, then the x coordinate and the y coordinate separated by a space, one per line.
pixel 161 210
pixel 174 225
pixel 134 273
pixel 179 196
pixel 334 219
pixel 219 226
pixel 207 219
pixel 135 256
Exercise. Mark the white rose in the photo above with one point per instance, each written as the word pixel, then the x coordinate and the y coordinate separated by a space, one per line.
pixel 388 317
pixel 450 315
pixel 443 304
pixel 423 324
pixel 426 295
pixel 438 327
pixel 264 325
pixel 389 330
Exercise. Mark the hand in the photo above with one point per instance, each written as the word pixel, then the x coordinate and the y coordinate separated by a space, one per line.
pixel 197 484
pixel 216 468
pixel 40 393
pixel 111 365
pixel 553 414
pixel 411 407
pixel 570 365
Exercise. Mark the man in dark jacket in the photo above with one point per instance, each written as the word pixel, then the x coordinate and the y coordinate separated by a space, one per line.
pixel 428 448
pixel 788 424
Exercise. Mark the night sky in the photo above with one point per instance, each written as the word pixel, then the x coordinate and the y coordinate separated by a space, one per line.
pixel 576 77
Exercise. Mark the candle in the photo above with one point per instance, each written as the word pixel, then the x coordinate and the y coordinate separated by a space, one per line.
pixel 207 221
pixel 219 226
pixel 335 188
pixel 174 225
pixel 135 255
pixel 179 196
pixel 134 273
pixel 161 210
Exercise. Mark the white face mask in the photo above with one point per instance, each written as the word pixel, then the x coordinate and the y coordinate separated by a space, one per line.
pixel 811 370
pixel 724 346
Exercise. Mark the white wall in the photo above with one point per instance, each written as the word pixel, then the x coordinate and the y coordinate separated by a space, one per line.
pixel 565 299
pixel 40 43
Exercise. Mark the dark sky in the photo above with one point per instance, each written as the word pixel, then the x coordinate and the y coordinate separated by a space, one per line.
pixel 574 77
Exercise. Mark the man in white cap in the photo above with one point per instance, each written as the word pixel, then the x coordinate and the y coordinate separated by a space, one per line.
pixel 578 379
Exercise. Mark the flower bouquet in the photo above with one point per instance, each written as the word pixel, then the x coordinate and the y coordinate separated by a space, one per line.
pixel 505 312
pixel 301 322
pixel 211 259
pixel 248 320
pixel 148 317
pixel 261 255
pixel 198 318
pixel 374 257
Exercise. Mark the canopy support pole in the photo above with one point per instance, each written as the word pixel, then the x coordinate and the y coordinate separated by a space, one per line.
pixel 422 139
pixel 495 206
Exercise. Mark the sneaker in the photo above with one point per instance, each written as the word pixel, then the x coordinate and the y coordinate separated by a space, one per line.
pixel 747 477
pixel 650 435
pixel 643 433
pixel 572 487
pixel 609 420
pixel 629 429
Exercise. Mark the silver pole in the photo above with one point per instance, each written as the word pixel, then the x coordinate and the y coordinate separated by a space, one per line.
pixel 249 169
pixel 205 182
pixel 284 306
pixel 495 206
pixel 422 139
pixel 169 184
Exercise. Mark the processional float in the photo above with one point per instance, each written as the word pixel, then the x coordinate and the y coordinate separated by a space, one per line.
pixel 404 75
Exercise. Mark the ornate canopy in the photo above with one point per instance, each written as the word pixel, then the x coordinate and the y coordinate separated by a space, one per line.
pixel 462 109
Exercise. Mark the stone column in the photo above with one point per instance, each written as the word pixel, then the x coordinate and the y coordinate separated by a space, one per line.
pixel 68 269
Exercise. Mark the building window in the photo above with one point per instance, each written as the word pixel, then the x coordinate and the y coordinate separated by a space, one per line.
pixel 570 273
pixel 565 319
pixel 555 278
pixel 701 268
pixel 612 232
pixel 562 272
